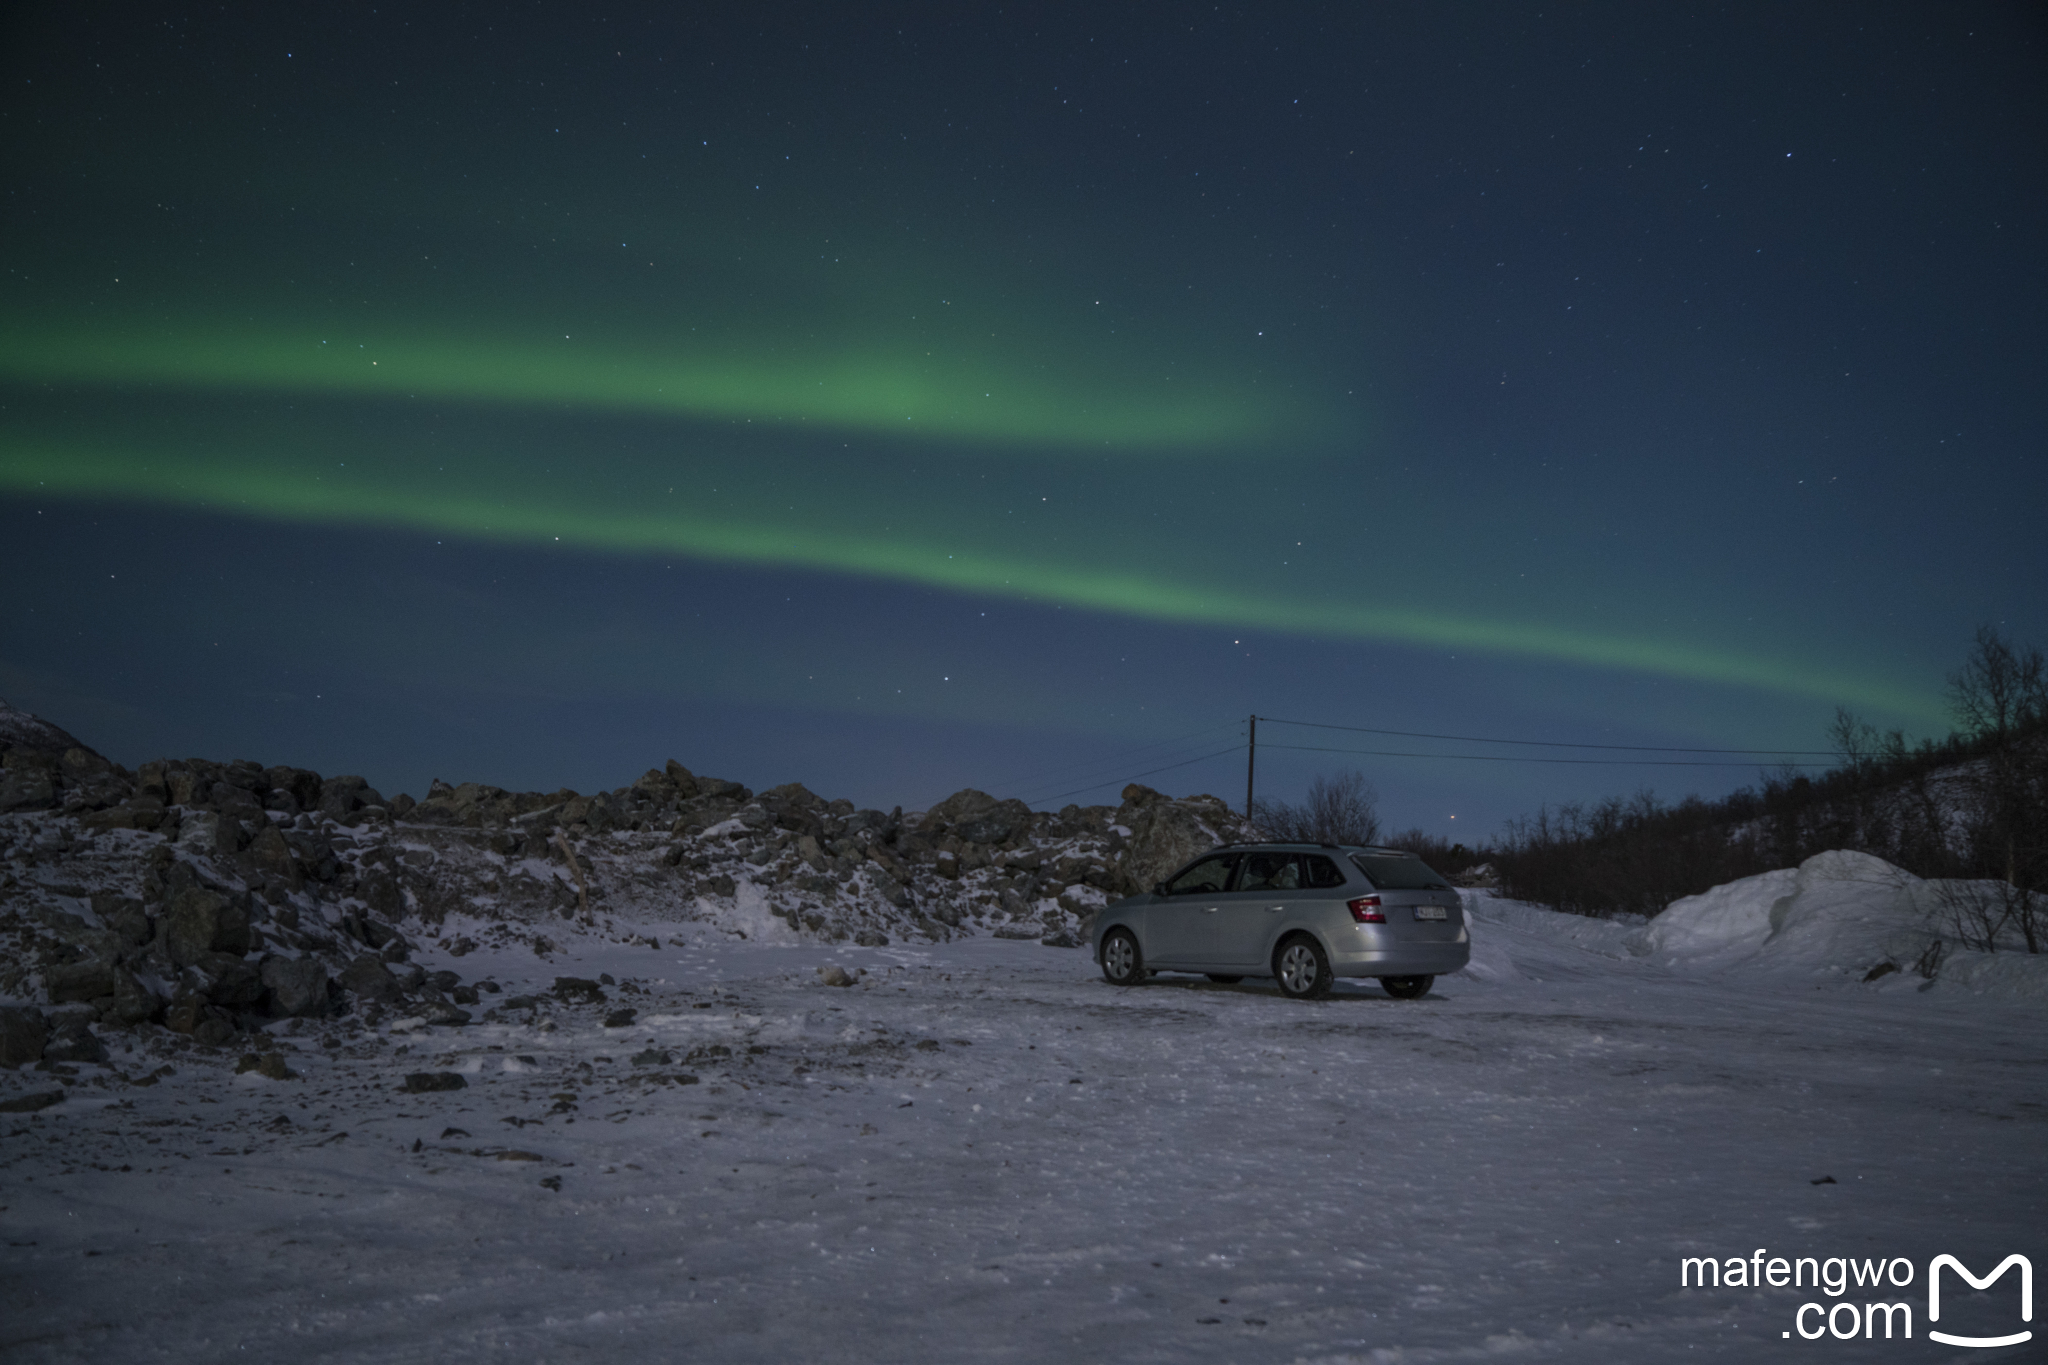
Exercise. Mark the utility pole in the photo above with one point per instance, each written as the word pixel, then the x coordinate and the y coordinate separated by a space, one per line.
pixel 1251 757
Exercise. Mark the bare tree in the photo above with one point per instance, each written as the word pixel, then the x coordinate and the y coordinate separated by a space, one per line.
pixel 1339 810
pixel 2000 697
pixel 1999 689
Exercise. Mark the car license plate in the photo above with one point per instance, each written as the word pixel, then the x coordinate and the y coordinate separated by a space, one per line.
pixel 1430 912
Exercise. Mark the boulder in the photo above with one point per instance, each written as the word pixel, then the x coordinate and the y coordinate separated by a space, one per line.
pixel 72 1040
pixel 229 981
pixel 577 988
pixel 999 824
pixel 792 794
pixel 201 921
pixel 656 785
pixel 368 977
pixel 79 981
pixel 271 854
pixel 436 1010
pixel 29 1104
pixel 125 916
pixel 208 833
pixel 685 781
pixel 206 1024
pixel 300 786
pixel 231 800
pixel 296 987
pixel 341 797
pixel 422 1082
pixel 26 789
pixel 964 804
pixel 269 1064
pixel 23 1031
pixel 1165 836
pixel 186 786
pixel 720 789
pixel 132 1002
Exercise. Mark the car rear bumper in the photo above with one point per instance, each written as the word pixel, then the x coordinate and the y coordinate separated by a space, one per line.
pixel 1407 959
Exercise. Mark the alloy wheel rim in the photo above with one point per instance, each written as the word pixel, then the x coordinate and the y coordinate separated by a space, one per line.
pixel 1120 956
pixel 1297 967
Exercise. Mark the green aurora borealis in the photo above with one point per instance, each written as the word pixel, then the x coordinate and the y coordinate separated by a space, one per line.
pixel 1623 449
pixel 600 510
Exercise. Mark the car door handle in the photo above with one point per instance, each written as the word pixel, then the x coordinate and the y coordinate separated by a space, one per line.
pixel 1275 909
pixel 1211 909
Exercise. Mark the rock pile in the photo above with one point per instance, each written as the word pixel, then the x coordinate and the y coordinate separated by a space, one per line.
pixel 212 898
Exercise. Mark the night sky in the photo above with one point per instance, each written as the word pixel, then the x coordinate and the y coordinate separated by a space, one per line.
pixel 896 399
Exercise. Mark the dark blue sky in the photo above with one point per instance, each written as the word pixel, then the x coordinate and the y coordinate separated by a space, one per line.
pixel 908 399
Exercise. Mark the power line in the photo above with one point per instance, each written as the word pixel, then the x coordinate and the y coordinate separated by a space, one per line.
pixel 1064 770
pixel 1135 776
pixel 1517 758
pixel 1547 743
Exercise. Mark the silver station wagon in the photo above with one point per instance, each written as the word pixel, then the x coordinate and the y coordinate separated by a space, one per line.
pixel 1302 914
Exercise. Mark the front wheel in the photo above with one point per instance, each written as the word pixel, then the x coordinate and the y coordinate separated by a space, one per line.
pixel 1407 987
pixel 1122 962
pixel 1303 969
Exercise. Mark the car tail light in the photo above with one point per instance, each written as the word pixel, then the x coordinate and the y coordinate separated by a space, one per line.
pixel 1366 910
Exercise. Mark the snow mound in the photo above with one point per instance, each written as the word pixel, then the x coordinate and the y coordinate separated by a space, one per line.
pixel 2013 976
pixel 1490 960
pixel 1841 914
pixel 1722 926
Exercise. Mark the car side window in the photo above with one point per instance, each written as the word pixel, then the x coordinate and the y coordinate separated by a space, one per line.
pixel 1319 872
pixel 1270 872
pixel 1206 877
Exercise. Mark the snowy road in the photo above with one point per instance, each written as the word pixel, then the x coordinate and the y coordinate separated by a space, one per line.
pixel 985 1153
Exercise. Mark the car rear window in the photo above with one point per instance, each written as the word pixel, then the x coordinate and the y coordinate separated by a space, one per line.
pixel 1319 872
pixel 1398 874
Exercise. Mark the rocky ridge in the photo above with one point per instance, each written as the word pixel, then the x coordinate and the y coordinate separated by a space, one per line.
pixel 213 899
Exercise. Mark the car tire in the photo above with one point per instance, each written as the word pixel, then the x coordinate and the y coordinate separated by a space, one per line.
pixel 1123 962
pixel 1302 969
pixel 1407 987
pixel 1224 980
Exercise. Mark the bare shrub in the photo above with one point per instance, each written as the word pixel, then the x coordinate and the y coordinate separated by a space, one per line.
pixel 1339 810
pixel 1975 913
pixel 1451 859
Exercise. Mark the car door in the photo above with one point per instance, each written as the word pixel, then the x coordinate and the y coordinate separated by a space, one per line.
pixel 1247 915
pixel 1178 929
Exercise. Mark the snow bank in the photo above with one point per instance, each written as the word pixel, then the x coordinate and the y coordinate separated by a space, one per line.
pixel 1838 914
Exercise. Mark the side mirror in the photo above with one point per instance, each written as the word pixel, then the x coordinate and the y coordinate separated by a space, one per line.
pixel 1159 890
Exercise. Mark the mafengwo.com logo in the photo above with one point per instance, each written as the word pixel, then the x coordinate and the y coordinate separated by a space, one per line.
pixel 1866 1299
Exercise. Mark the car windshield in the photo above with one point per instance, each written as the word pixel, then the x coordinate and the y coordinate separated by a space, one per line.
pixel 1403 872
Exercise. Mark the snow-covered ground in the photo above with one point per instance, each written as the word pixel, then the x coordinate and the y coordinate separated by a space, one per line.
pixel 983 1152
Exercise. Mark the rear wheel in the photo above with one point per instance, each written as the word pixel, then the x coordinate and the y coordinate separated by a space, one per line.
pixel 1122 963
pixel 1303 969
pixel 1407 987
pixel 1225 980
